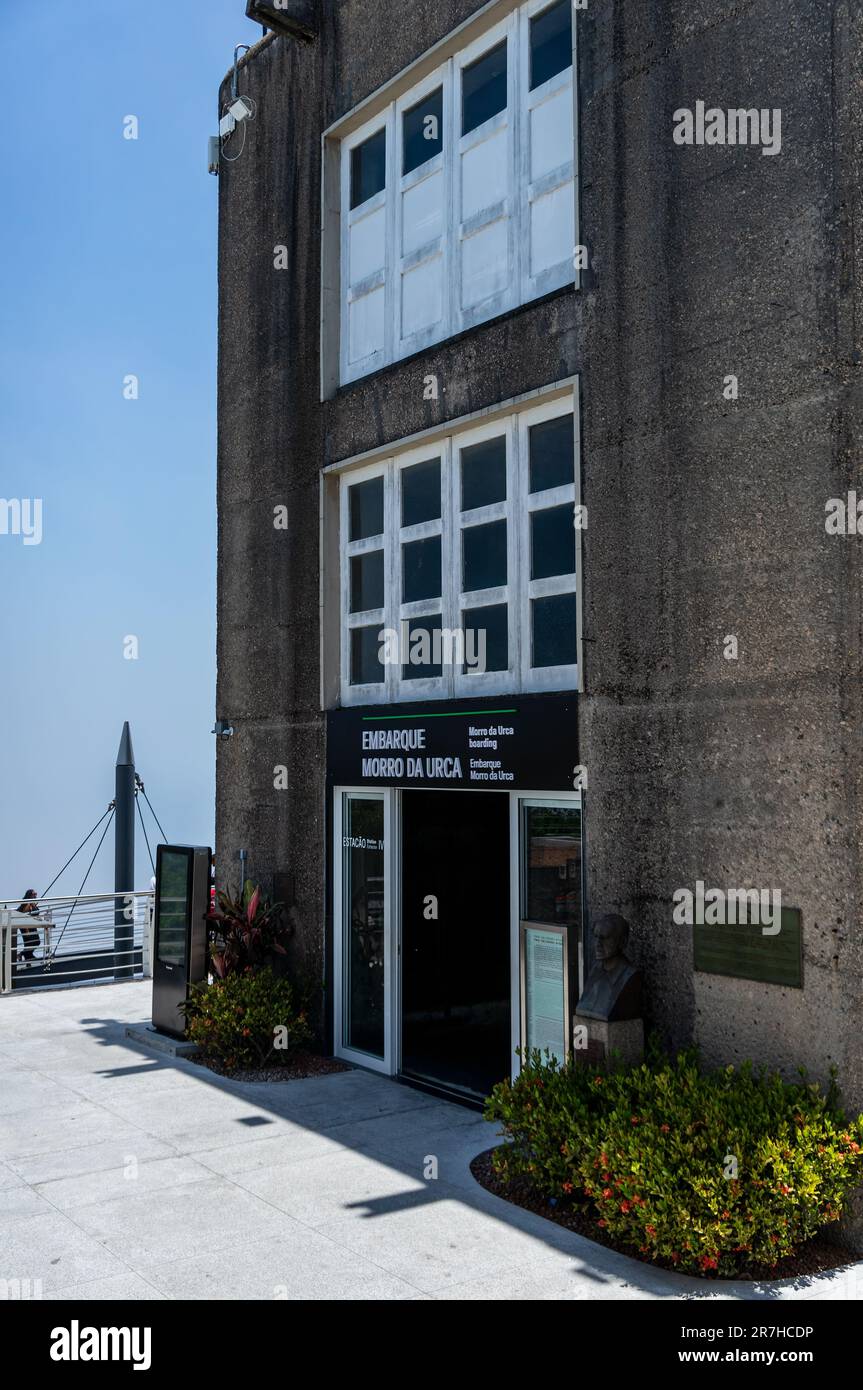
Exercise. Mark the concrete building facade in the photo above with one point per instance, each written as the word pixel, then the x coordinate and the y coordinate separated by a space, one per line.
pixel 679 666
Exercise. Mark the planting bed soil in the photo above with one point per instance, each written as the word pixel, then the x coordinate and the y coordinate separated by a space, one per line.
pixel 299 1067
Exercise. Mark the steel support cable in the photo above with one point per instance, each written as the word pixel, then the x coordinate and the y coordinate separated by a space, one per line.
pixel 86 876
pixel 144 828
pixel 152 812
pixel 78 850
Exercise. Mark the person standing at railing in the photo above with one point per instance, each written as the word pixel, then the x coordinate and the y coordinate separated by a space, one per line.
pixel 29 935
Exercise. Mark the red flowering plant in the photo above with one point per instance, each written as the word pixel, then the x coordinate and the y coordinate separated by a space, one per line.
pixel 247 932
pixel 712 1172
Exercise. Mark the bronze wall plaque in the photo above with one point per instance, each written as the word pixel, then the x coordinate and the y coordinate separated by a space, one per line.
pixel 744 952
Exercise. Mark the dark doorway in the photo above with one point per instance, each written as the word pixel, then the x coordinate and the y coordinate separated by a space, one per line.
pixel 456 967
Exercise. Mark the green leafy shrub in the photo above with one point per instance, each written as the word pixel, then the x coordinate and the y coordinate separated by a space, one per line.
pixel 712 1172
pixel 248 1020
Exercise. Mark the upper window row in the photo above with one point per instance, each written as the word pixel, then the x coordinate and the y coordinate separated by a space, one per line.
pixel 484 94
pixel 458 199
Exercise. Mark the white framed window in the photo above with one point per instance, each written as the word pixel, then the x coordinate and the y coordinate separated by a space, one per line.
pixel 458 569
pixel 457 199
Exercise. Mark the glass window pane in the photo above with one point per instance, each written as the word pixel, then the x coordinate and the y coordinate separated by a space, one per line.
pixel 363 996
pixel 423 652
pixel 483 474
pixel 421 492
pixel 367 581
pixel 552 542
pixel 554 633
pixel 366 665
pixel 550 43
pixel 484 88
pixel 552 454
pixel 551 876
pixel 366 509
pixel 173 907
pixel 484 555
pixel 486 639
pixel 368 168
pixel 421 576
pixel 423 131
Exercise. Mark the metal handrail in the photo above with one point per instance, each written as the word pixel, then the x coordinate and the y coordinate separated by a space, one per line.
pixel 79 897
pixel 81 938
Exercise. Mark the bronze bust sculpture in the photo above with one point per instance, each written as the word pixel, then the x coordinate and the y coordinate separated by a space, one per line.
pixel 612 991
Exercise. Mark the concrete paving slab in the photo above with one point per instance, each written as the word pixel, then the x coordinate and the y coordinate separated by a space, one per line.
pixel 333 1185
pixel 64 1127
pixel 203 1138
pixel 300 1265
pixel 433 1238
pixel 98 1157
pixel 161 1114
pixel 53 1249
pixel 130 1179
pixel 122 1288
pixel 8 1177
pixel 297 1145
pixel 309 1189
pixel 20 1203
pixel 23 1090
pixel 127 1078
pixel 187 1221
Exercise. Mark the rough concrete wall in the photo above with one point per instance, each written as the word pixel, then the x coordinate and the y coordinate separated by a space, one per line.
pixel 707 516
pixel 269 456
pixel 368 42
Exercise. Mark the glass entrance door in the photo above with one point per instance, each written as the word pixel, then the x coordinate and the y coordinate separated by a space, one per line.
pixel 455 977
pixel 362 951
pixel 550 922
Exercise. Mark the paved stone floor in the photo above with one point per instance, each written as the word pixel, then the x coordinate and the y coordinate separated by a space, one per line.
pixel 127 1175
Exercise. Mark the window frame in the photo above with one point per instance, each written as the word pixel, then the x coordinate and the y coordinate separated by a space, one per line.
pixel 461 48
pixel 544 677
pixel 487 682
pixel 461 229
pixel 423 687
pixel 350 218
pixel 547 280
pixel 365 693
pixel 406 344
pixel 447 445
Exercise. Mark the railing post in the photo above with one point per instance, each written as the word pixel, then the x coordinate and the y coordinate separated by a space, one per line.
pixel 147 925
pixel 124 856
pixel 5 951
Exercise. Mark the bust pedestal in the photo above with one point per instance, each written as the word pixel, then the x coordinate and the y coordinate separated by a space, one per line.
pixel 608 1014
pixel 605 1039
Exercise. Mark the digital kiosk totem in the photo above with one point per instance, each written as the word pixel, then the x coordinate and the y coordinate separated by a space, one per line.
pixel 180 931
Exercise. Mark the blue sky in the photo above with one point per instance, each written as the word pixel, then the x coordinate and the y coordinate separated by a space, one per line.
pixel 108 268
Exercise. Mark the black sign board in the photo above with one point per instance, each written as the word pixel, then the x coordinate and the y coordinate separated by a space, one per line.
pixel 180 931
pixel 746 952
pixel 511 743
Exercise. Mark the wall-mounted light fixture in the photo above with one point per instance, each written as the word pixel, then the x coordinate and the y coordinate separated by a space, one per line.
pixel 223 729
pixel 236 112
